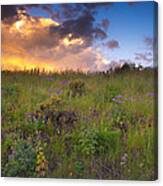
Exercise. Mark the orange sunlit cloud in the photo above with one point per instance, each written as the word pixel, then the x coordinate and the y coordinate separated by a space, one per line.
pixel 27 44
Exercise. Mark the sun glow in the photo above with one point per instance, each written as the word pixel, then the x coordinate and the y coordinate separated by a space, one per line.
pixel 15 63
pixel 67 41
pixel 26 25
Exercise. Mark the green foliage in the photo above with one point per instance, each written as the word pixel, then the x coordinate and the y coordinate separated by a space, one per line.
pixel 11 90
pixel 7 143
pixel 23 162
pixel 87 141
pixel 110 92
pixel 93 141
pixel 109 142
pixel 79 168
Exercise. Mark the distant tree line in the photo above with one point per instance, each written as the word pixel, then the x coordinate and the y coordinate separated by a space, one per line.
pixel 119 68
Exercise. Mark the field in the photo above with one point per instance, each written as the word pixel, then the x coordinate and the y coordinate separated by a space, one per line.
pixel 73 125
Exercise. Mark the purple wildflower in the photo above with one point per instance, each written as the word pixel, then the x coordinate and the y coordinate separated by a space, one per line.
pixel 119 96
pixel 151 94
pixel 113 99
pixel 118 101
pixel 59 92
pixel 64 82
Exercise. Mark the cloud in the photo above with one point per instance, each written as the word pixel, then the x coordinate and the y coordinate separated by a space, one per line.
pixel 83 27
pixel 29 43
pixel 8 11
pixel 144 57
pixel 148 41
pixel 105 23
pixel 112 44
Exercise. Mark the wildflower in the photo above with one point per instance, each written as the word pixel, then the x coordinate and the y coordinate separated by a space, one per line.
pixel 41 162
pixel 59 92
pixel 64 82
pixel 119 96
pixel 113 99
pixel 151 94
pixel 118 101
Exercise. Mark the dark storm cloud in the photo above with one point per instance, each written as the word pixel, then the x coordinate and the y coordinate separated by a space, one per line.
pixel 100 33
pixel 93 6
pixel 80 27
pixel 70 10
pixel 112 44
pixel 8 11
pixel 83 24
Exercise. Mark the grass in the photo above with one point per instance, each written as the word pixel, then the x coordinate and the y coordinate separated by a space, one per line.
pixel 103 127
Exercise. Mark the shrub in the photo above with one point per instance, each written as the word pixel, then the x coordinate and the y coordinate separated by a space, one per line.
pixel 63 120
pixel 50 111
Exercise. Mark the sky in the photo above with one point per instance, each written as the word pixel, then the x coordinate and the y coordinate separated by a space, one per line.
pixel 77 36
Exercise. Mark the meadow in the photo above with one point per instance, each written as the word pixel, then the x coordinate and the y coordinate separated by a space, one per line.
pixel 76 125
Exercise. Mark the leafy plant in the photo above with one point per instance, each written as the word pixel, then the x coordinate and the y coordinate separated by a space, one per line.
pixel 79 168
pixel 91 141
pixel 87 141
pixel 23 162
